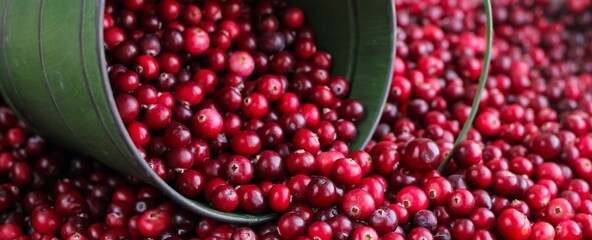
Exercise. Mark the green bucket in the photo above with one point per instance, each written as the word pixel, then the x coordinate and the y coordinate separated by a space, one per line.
pixel 53 73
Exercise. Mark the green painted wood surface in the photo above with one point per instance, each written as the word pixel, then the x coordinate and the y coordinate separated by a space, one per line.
pixel 52 72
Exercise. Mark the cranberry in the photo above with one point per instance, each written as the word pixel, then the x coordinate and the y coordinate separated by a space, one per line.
pixel 238 169
pixel 190 183
pixel 255 106
pixel 196 41
pixel 306 140
pixel 463 229
pixel 413 199
pixel 421 155
pixel 364 232
pixel 438 190
pixel 45 220
pixel 241 63
pixel 70 203
pixel 251 199
pixel 420 233
pixel 557 210
pixel 279 198
pixel 224 198
pixel 537 196
pixel 301 161
pixel 207 123
pixel 189 93
pixel 291 226
pixel 246 143
pixel 547 145
pixel 321 192
pixel 10 231
pixel 568 229
pixel 146 66
pixel 425 219
pixel 358 204
pixel 467 154
pixel 346 171
pixel 461 202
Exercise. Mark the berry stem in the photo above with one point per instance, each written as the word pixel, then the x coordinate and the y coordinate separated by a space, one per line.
pixel 482 81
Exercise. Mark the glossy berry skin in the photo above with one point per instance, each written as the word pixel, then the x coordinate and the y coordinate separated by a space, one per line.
pixel 461 202
pixel 512 224
pixel 10 231
pixel 321 192
pixel 346 171
pixel 238 169
pixel 245 143
pixel 279 198
pixel 196 41
pixel 153 223
pixel 558 209
pixel 568 229
pixel 438 190
pixel 241 63
pixel 224 198
pixel 420 233
pixel 139 134
pixel 300 161
pixel 421 155
pixel 358 204
pixel 255 106
pixel 251 199
pixel 542 230
pixel 467 154
pixel 384 160
pixel 128 107
pixel 413 199
pixel 157 117
pixel 190 183
pixel 189 93
pixel 546 145
pixel 147 67
pixel 537 196
pixel 383 220
pixel 46 220
pixel 364 232
pixel 291 226
pixel 320 230
pixel 207 123
pixel 306 140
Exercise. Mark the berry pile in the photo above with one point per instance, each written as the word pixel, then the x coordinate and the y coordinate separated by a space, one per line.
pixel 523 171
pixel 225 99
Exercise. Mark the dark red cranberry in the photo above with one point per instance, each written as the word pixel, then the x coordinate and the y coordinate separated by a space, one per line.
pixel 421 155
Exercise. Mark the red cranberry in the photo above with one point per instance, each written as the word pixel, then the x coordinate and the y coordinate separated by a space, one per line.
pixel 364 232
pixel 207 123
pixel 190 183
pixel 255 106
pixel 251 199
pixel 421 155
pixel 568 229
pixel 196 41
pixel 557 210
pixel 358 204
pixel 224 198
pixel 291 226
pixel 413 199
pixel 467 154
pixel 238 169
pixel 45 220
pixel 346 171
pixel 321 192
pixel 246 143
